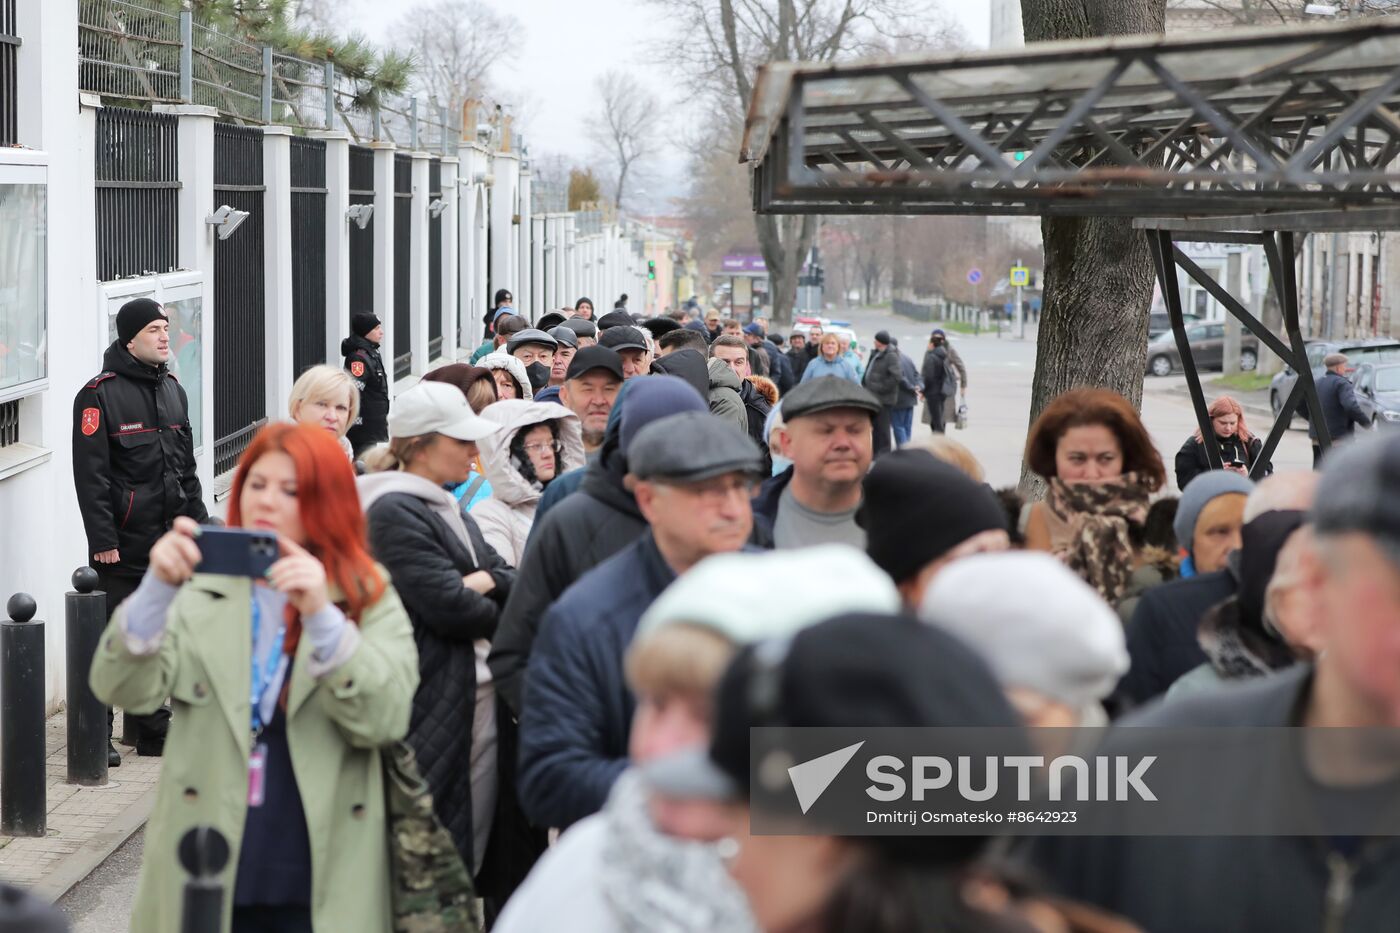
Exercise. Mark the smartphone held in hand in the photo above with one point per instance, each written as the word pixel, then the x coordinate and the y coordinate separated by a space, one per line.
pixel 237 552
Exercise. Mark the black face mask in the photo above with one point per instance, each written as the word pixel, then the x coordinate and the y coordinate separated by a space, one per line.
pixel 539 376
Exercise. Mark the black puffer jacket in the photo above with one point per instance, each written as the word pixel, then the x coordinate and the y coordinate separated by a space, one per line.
pixel 133 458
pixel 366 367
pixel 575 536
pixel 1191 459
pixel 427 561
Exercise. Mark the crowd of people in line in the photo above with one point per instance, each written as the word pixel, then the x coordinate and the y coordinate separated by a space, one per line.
pixel 559 571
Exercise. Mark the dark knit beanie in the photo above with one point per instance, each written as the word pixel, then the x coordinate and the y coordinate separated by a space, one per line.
pixel 134 316
pixel 917 508
pixel 362 322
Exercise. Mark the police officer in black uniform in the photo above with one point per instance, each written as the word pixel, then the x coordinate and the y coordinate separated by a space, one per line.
pixel 133 465
pixel 365 366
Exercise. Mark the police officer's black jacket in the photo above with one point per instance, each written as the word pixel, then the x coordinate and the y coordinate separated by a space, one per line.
pixel 133 458
pixel 366 367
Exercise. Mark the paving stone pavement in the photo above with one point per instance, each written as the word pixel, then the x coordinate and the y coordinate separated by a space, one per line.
pixel 85 824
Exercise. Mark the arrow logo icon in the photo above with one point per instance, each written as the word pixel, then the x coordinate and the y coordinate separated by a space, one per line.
pixel 811 778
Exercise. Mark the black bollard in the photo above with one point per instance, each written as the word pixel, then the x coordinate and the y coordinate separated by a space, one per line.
pixel 203 854
pixel 87 715
pixel 23 809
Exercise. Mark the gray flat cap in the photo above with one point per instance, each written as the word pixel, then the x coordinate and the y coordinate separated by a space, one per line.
pixel 690 447
pixel 581 327
pixel 530 335
pixel 565 336
pixel 825 393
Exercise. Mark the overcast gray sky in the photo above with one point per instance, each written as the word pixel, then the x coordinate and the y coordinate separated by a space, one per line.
pixel 568 44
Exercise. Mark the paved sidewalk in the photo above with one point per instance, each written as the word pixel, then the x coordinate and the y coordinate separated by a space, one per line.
pixel 85 824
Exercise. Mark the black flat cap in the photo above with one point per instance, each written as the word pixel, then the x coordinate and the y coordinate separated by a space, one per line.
pixel 565 336
pixel 825 393
pixel 528 336
pixel 623 337
pixel 661 325
pixel 591 358
pixel 690 447
pixel 582 327
pixel 550 320
pixel 615 318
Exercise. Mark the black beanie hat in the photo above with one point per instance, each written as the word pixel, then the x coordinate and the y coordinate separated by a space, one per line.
pixel 362 322
pixel 916 508
pixel 134 316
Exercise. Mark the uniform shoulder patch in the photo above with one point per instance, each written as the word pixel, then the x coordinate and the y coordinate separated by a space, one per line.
pixel 91 421
pixel 357 369
pixel 101 378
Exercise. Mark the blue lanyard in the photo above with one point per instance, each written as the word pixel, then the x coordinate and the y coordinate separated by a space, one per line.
pixel 263 675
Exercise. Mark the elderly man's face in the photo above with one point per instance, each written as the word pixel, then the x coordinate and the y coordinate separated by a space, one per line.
pixel 1360 586
pixel 712 516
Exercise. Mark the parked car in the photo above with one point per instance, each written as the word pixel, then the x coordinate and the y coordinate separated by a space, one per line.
pixel 1158 323
pixel 1373 350
pixel 1207 342
pixel 1378 391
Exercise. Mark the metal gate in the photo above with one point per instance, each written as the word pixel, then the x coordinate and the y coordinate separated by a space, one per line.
pixel 362 239
pixel 434 263
pixel 308 253
pixel 240 327
pixel 403 264
pixel 138 193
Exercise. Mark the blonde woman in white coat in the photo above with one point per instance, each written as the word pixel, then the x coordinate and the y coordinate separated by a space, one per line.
pixel 538 441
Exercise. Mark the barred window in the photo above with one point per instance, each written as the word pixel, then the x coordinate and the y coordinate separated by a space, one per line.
pixel 9 423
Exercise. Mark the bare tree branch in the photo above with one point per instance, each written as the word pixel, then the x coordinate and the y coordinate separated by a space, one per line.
pixel 624 126
pixel 458 43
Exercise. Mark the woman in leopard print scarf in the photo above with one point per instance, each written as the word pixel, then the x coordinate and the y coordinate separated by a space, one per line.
pixel 1102 469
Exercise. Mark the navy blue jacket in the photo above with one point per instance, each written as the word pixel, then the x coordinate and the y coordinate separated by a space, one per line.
pixel 779 367
pixel 577 710
pixel 1339 406
pixel 1161 635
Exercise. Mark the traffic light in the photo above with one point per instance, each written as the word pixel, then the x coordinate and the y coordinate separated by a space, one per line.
pixel 651 269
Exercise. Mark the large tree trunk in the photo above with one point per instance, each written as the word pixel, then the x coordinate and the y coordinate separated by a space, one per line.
pixel 785 242
pixel 1098 270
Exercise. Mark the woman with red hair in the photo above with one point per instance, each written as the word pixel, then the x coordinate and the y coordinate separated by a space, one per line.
pixel 289 770
pixel 1239 449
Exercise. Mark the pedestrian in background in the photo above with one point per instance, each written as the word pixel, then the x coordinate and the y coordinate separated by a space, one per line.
pixel 828 362
pixel 910 385
pixel 325 397
pixel 939 381
pixel 797 355
pixel 883 377
pixel 1102 469
pixel 1341 412
pixel 950 402
pixel 293 780
pixel 507 325
pixel 366 367
pixel 453 586
pixel 134 469
pixel 1239 449
pixel 583 308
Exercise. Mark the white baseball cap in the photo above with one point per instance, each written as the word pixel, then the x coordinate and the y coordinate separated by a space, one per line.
pixel 437 408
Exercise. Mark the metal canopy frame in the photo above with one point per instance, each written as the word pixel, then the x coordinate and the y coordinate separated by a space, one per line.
pixel 1232 123
pixel 1243 136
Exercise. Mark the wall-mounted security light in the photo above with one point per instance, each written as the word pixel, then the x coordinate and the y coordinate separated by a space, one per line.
pixel 436 206
pixel 360 214
pixel 225 220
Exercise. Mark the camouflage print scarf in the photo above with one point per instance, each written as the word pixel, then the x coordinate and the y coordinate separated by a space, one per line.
pixel 1099 548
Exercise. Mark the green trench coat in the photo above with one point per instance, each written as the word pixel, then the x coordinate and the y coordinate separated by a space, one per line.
pixel 335 725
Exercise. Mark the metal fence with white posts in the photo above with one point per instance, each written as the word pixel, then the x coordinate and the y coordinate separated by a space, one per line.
pixel 134 53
